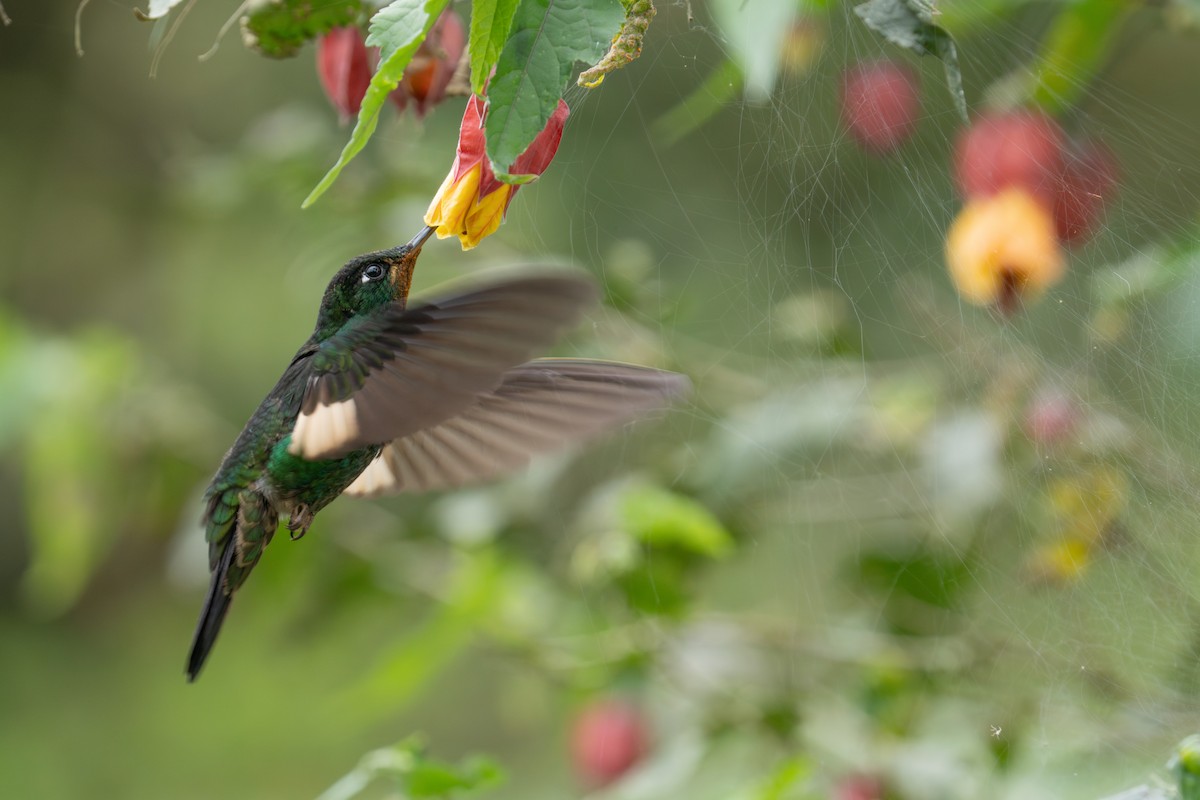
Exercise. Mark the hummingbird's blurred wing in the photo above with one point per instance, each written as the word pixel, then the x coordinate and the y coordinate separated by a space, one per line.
pixel 540 407
pixel 406 369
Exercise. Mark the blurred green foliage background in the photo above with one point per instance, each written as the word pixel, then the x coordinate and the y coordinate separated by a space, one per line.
pixel 844 558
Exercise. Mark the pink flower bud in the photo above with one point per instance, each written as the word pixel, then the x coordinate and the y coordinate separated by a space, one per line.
pixel 607 739
pixel 344 69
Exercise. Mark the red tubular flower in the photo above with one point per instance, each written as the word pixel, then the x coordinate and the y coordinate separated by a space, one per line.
pixel 472 201
pixel 344 69
pixel 432 66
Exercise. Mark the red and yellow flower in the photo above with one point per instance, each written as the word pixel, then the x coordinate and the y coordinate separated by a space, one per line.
pixel 472 201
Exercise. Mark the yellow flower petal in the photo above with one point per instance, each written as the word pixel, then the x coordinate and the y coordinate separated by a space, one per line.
pixel 435 214
pixel 1002 246
pixel 452 204
pixel 1088 505
pixel 485 216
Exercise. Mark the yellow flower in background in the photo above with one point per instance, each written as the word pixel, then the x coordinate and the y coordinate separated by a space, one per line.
pixel 1002 248
pixel 1085 510
pixel 1088 505
pixel 472 201
pixel 1060 563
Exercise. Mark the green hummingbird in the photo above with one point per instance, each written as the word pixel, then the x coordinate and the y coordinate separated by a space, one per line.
pixel 387 397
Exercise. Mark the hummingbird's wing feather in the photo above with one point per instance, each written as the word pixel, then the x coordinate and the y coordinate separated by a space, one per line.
pixel 406 369
pixel 538 408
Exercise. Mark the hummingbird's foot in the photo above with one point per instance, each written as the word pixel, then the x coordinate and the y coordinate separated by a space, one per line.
pixel 298 521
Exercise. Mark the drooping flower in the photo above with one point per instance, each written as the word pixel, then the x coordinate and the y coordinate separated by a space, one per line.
pixel 472 201
pixel 608 738
pixel 1002 248
pixel 1015 149
pixel 881 101
pixel 344 67
pixel 432 67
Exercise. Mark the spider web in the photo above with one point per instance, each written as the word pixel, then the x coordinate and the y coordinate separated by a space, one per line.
pixel 871 431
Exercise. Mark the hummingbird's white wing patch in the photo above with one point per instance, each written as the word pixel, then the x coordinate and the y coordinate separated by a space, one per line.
pixel 539 407
pixel 406 370
pixel 324 429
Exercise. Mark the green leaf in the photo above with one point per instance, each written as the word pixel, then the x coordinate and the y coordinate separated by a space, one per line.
pixel 417 775
pixel 931 578
pixel 438 779
pixel 698 107
pixel 547 39
pixel 787 777
pixel 279 28
pixel 755 31
pixel 490 23
pixel 1185 763
pixel 659 586
pixel 400 25
pixel 515 180
pixel 909 24
pixel 527 85
pixel 945 49
pixel 397 30
pixel 661 518
pixel 1074 50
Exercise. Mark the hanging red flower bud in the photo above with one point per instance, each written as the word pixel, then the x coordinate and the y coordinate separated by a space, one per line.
pixel 472 201
pixel 608 738
pixel 432 66
pixel 880 104
pixel 1015 149
pixel 344 69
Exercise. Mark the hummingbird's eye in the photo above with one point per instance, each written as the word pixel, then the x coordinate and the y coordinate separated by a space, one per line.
pixel 373 272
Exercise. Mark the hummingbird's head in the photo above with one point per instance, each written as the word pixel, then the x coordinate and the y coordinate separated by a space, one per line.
pixel 367 283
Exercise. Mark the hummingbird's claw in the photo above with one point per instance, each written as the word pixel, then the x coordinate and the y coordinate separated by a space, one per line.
pixel 299 521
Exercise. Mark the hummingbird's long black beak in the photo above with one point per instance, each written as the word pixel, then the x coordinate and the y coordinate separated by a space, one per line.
pixel 420 238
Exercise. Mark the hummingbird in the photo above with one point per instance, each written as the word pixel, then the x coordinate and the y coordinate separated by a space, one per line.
pixel 388 396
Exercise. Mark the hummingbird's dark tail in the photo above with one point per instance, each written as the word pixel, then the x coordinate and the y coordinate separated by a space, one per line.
pixel 216 605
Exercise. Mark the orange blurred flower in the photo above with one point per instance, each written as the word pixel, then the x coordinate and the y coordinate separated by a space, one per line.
pixel 345 65
pixel 472 201
pixel 1003 247
pixel 428 75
